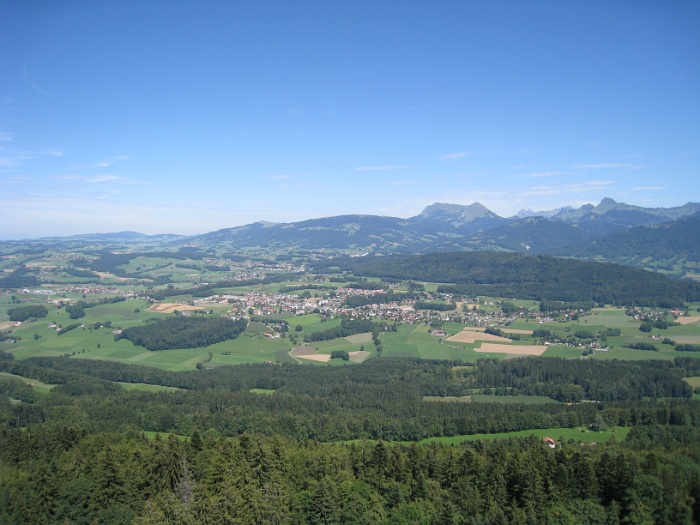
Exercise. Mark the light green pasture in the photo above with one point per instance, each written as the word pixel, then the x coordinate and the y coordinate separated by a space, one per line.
pixel 415 341
pixel 148 388
pixel 562 351
pixel 631 354
pixel 533 400
pixel 262 391
pixel 558 434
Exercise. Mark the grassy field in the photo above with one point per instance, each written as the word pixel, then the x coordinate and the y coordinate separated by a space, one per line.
pixel 559 435
pixel 262 391
pixel 580 434
pixel 479 398
pixel 562 351
pixel 148 388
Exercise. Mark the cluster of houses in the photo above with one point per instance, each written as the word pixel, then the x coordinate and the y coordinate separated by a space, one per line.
pixel 335 304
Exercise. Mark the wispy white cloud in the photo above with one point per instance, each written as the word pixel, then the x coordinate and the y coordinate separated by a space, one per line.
pixel 401 182
pixel 5 137
pixel 19 179
pixel 606 166
pixel 279 177
pixel 542 174
pixel 103 178
pixel 14 160
pixel 111 160
pixel 31 83
pixel 580 187
pixel 69 177
pixel 454 156
pixel 648 188
pixel 97 179
pixel 381 168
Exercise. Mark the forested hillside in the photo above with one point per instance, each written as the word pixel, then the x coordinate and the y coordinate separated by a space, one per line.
pixel 659 246
pixel 525 276
pixel 79 454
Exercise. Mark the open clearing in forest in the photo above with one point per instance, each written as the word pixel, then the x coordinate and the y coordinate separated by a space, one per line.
pixel 577 434
pixel 511 349
pixel 145 387
pixel 481 398
pixel 692 381
pixel 168 308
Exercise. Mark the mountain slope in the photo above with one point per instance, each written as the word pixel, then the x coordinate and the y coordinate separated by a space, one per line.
pixel 531 235
pixel 669 245
pixel 465 220
pixel 609 216
pixel 341 232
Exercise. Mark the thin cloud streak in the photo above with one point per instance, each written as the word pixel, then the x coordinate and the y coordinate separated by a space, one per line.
pixel 381 168
pixel 108 162
pixel 103 178
pixel 567 188
pixel 606 166
pixel 454 156
pixel 542 174
pixel 40 90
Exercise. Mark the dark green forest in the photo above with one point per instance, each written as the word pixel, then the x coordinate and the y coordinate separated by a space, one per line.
pixel 184 332
pixel 540 277
pixel 22 313
pixel 79 453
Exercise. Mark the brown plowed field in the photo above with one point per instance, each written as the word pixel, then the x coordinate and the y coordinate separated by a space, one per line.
pixel 467 336
pixel 168 308
pixel 511 349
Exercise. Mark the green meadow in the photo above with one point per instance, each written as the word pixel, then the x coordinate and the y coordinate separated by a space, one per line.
pixel 148 388
pixel 479 398
pixel 580 434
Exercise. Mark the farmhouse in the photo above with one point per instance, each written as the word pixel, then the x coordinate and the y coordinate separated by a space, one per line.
pixel 549 442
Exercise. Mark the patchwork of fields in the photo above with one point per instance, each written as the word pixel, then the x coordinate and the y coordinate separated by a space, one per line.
pixel 95 338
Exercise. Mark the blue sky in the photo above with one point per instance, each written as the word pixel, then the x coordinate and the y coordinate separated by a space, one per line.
pixel 187 117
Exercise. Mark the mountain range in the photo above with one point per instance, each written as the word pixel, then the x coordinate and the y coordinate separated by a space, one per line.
pixel 656 238
pixel 665 239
